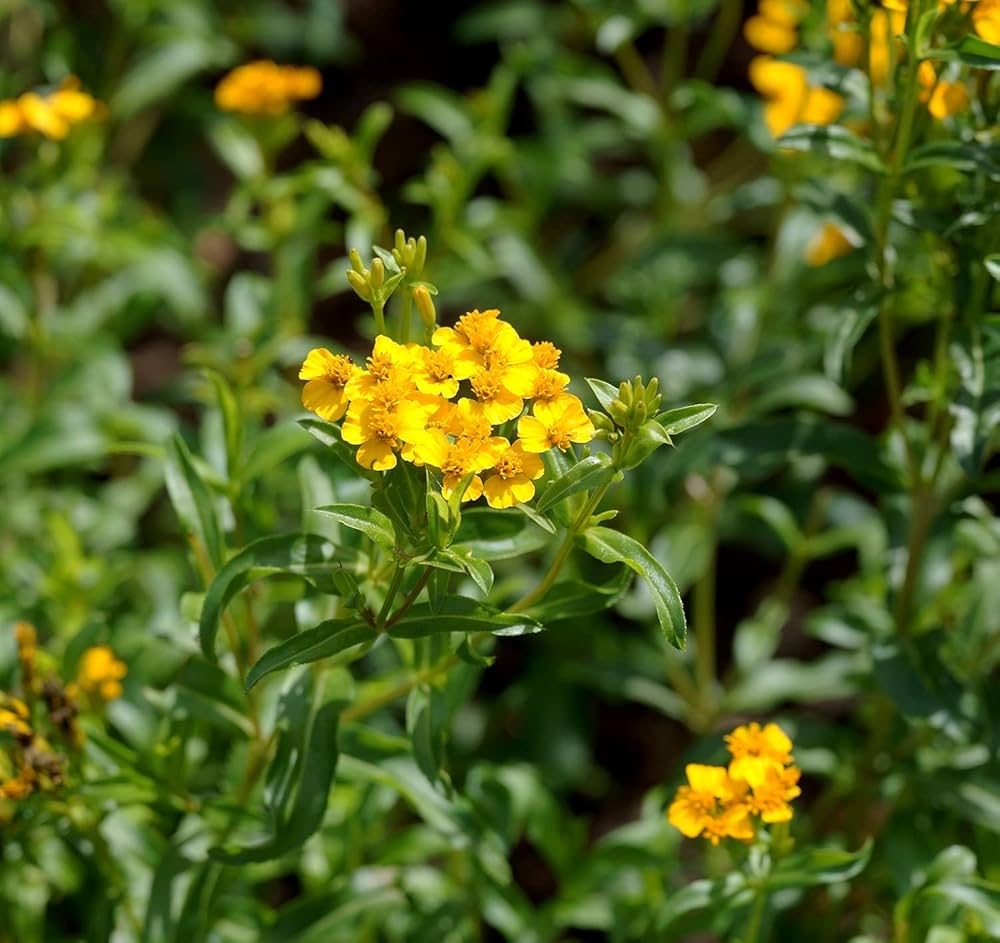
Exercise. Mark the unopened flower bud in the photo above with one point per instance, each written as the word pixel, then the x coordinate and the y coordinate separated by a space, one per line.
pixel 425 305
pixel 359 284
pixel 356 262
pixel 377 276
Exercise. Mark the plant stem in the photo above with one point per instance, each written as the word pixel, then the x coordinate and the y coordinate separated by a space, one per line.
pixel 704 630
pixel 409 598
pixel 405 313
pixel 719 40
pixel 757 915
pixel 390 595
pixel 378 309
pixel 562 554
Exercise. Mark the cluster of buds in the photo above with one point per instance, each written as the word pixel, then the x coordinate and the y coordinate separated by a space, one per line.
pixel 27 762
pixel 629 423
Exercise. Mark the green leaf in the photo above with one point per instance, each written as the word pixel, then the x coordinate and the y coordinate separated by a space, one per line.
pixel 273 447
pixel 813 867
pixel 497 535
pixel 326 639
pixel 193 500
pixel 979 896
pixel 969 50
pixel 310 800
pixel 232 423
pixel 832 141
pixel 606 393
pixel 587 474
pixel 571 599
pixel 370 522
pixel 461 614
pixel 976 405
pixel 611 546
pixel 813 392
pixel 682 418
pixel 299 554
pixel 967 156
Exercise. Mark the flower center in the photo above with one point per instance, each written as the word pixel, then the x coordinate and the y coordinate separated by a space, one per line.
pixel 438 364
pixel 559 438
pixel 509 465
pixel 486 385
pixel 339 371
pixel 547 386
pixel 383 424
pixel 380 366
pixel 546 355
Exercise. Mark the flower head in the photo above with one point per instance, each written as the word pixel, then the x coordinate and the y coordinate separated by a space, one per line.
pixel 100 674
pixel 828 244
pixel 769 798
pixel 326 375
pixel 513 476
pixel 986 20
pixel 555 425
pixel 757 749
pixel 266 88
pixel 712 804
pixel 790 100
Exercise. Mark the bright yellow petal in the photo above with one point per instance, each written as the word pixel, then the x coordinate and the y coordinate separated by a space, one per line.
pixel 498 492
pixel 433 448
pixel 708 779
pixel 328 402
pixel 376 454
pixel 534 434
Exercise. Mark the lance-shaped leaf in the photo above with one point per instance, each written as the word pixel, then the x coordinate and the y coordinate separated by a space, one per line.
pixel 299 554
pixel 682 418
pixel 606 393
pixel 306 815
pixel 497 535
pixel 370 522
pixel 193 500
pixel 819 866
pixel 461 614
pixel 611 546
pixel 570 599
pixel 326 639
pixel 587 474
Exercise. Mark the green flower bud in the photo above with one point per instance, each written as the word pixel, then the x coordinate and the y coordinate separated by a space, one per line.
pixel 359 284
pixel 425 305
pixel 356 262
pixel 377 276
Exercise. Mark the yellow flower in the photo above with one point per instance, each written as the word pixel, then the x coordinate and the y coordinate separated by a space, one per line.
pixel 383 424
pixel 713 804
pixel 14 717
pixel 769 798
pixel 775 27
pixel 555 425
pixel 549 386
pixel 828 244
pixel 389 363
pixel 848 43
pixel 458 459
pixel 756 749
pixel 39 115
pixel 266 88
pixel 546 355
pixel 100 673
pixel 790 99
pixel 11 120
pixel 986 20
pixel 20 786
pixel 513 475
pixel 943 98
pixel 885 26
pixel 493 399
pixel 327 376
pixel 70 103
pixel 481 339
pixel 435 371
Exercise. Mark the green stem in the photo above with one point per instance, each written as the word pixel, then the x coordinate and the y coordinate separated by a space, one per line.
pixel 704 630
pixel 378 309
pixel 757 915
pixel 405 313
pixel 409 599
pixel 562 554
pixel 719 40
pixel 390 595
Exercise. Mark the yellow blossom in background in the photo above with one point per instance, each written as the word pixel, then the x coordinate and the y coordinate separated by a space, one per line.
pixel 884 47
pixel 52 115
pixel 514 474
pixel 770 797
pixel 790 98
pixel 327 376
pixel 720 802
pixel 775 27
pixel 266 88
pixel 828 244
pixel 986 20
pixel 555 425
pixel 943 98
pixel 18 787
pixel 841 27
pixel 712 804
pixel 15 719
pixel 99 673
pixel 756 749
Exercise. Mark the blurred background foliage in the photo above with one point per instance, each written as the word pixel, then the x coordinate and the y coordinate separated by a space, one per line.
pixel 601 172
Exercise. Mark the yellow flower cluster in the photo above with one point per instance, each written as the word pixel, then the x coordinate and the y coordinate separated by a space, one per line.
pixel 406 401
pixel 28 764
pixel 51 115
pixel 720 802
pixel 266 88
pixel 790 99
pixel 99 674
